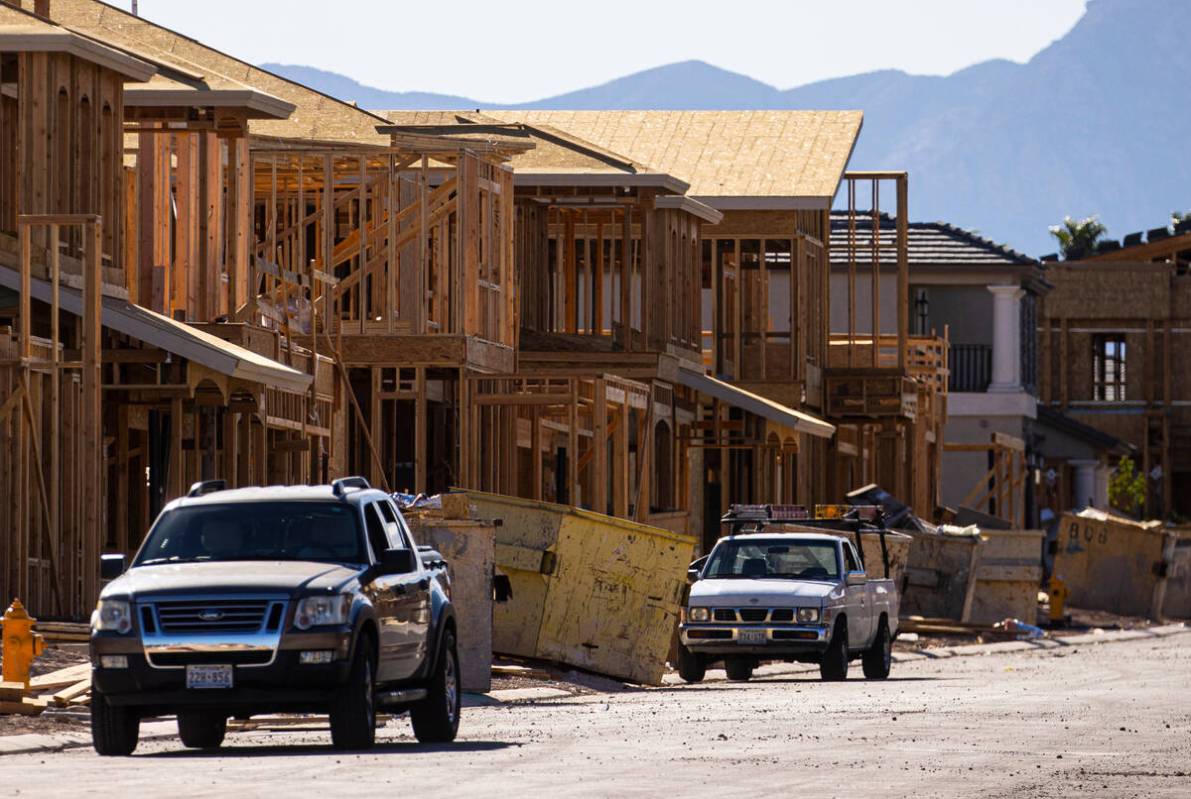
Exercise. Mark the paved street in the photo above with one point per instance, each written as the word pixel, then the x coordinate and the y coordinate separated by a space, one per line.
pixel 1110 720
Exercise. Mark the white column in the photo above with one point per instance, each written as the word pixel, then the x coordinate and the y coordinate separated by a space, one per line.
pixel 1103 471
pixel 1083 493
pixel 1006 365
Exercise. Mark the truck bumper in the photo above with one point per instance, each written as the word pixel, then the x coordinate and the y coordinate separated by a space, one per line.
pixel 284 684
pixel 780 641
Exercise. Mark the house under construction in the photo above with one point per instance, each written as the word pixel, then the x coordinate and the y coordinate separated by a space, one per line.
pixel 210 272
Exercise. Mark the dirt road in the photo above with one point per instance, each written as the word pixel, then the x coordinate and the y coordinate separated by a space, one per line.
pixel 1111 720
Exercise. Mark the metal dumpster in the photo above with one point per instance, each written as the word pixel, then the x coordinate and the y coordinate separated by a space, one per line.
pixel 1008 576
pixel 589 590
pixel 1119 565
pixel 468 547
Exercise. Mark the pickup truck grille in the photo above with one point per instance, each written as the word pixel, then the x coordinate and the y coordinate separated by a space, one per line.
pixel 754 615
pixel 217 615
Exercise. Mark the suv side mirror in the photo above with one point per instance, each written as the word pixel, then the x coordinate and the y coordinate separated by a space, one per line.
pixel 110 566
pixel 857 578
pixel 397 561
pixel 695 569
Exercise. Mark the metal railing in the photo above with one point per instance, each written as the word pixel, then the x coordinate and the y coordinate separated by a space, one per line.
pixel 971 367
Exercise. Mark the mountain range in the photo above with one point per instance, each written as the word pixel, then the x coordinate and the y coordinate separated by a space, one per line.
pixel 1095 123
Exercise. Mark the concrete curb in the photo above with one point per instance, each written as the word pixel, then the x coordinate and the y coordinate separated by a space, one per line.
pixel 971 650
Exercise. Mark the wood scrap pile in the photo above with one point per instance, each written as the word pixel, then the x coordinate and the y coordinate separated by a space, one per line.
pixel 68 687
pixel 64 632
pixel 936 626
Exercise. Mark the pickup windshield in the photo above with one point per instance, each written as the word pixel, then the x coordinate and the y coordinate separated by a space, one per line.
pixel 799 560
pixel 327 532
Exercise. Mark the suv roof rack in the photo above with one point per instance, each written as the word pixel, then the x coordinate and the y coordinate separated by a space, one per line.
pixel 339 487
pixel 206 487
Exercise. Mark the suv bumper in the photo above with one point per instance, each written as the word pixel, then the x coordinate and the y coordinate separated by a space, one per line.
pixel 780 641
pixel 284 684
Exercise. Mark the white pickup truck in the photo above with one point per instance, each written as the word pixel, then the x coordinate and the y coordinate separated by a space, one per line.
pixel 786 596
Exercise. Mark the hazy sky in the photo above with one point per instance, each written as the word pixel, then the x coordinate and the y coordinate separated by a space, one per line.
pixel 528 49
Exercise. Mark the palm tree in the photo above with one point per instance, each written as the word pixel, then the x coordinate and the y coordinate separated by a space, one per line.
pixel 1077 237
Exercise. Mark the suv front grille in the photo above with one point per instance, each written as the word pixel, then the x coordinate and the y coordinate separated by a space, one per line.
pixel 175 659
pixel 215 615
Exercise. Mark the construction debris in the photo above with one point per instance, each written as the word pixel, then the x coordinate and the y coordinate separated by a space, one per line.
pixel 68 687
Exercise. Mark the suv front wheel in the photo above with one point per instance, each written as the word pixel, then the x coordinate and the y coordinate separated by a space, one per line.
pixel 436 718
pixel 353 712
pixel 114 730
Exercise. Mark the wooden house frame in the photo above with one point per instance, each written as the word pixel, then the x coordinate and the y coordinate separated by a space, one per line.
pixel 1127 305
pixel 888 392
pixel 100 391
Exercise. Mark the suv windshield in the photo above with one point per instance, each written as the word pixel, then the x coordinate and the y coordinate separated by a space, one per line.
pixel 803 560
pixel 318 531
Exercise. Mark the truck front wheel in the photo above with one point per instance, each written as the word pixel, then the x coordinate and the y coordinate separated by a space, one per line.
pixel 353 712
pixel 199 730
pixel 834 665
pixel 878 657
pixel 114 730
pixel 691 666
pixel 739 669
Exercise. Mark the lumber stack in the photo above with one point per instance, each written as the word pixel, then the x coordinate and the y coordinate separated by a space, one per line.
pixel 68 687
pixel 64 632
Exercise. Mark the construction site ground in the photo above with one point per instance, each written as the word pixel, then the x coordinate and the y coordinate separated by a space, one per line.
pixel 1011 719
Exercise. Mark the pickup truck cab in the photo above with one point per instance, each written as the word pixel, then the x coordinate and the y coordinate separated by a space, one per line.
pixel 786 596
pixel 305 599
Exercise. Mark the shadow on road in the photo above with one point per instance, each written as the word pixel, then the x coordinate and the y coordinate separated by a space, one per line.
pixel 294 750
pixel 762 680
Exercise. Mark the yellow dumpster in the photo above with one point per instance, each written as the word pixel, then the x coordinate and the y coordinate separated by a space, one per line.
pixel 1116 564
pixel 589 590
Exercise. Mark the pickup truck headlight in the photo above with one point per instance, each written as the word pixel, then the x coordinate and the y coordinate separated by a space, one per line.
pixel 113 615
pixel 320 611
pixel 699 614
pixel 808 615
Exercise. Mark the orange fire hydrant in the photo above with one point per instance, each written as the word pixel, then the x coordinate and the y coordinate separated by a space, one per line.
pixel 21 644
pixel 1058 599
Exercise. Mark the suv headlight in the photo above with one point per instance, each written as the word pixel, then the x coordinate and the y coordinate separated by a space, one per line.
pixel 699 614
pixel 319 611
pixel 112 615
pixel 808 615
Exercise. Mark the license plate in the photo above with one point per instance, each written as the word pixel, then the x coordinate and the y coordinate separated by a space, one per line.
pixel 208 676
pixel 751 637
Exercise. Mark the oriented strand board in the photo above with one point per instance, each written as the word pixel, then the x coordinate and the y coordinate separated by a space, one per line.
pixel 602 593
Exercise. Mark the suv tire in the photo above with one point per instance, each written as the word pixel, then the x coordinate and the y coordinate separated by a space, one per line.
pixel 691 666
pixel 202 730
pixel 436 718
pixel 878 658
pixel 115 730
pixel 353 711
pixel 739 669
pixel 833 667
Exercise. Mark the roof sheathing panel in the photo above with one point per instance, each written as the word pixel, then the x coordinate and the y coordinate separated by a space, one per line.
pixel 316 115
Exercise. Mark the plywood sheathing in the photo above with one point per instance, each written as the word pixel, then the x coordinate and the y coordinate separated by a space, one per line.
pixel 316 115
pixel 753 154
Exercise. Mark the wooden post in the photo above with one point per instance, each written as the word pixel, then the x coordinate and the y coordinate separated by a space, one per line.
pixel 626 279
pixel 420 427
pixel 92 412
pixel 903 269
pixel 599 464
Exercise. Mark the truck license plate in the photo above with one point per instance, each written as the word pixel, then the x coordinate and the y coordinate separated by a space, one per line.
pixel 208 676
pixel 751 637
